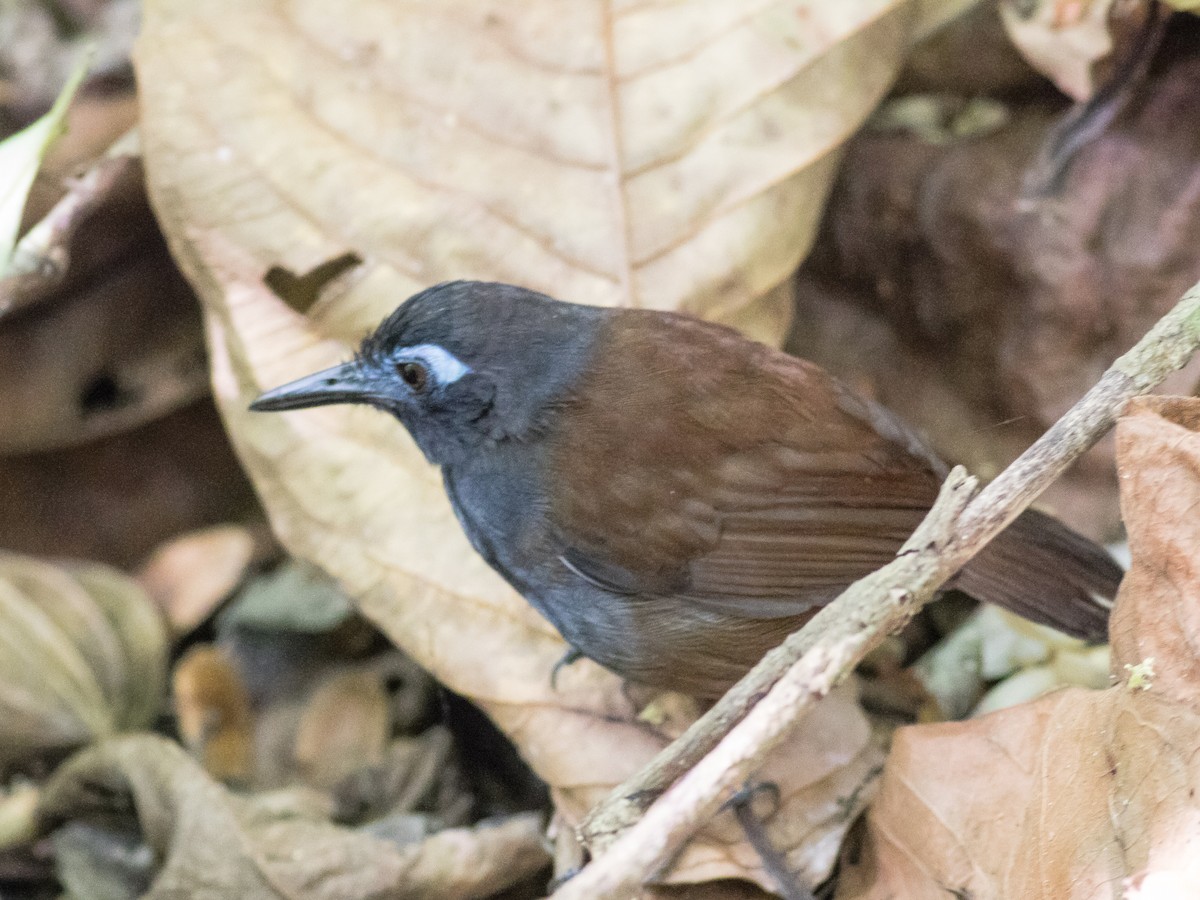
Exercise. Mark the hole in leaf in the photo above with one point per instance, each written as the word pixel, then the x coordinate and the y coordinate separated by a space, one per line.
pixel 300 292
pixel 101 394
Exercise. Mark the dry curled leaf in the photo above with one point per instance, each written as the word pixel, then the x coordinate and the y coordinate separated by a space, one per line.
pixel 120 349
pixel 312 167
pixel 43 255
pixel 209 844
pixel 1072 42
pixel 82 654
pixel 191 575
pixel 1081 794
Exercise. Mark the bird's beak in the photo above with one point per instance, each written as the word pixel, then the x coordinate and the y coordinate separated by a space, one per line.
pixel 341 384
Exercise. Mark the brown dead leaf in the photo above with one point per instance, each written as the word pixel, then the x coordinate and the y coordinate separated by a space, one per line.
pixel 665 156
pixel 345 727
pixel 119 497
pixel 1159 468
pixel 1081 794
pixel 210 844
pixel 190 576
pixel 82 654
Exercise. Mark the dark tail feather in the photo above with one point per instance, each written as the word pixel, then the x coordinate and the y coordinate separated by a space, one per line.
pixel 1042 570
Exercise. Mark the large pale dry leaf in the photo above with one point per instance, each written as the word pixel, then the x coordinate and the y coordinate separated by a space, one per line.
pixel 1082 794
pixel 672 156
pixel 82 654
pixel 209 843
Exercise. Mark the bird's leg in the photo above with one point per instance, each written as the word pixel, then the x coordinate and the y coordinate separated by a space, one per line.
pixel 754 827
pixel 572 655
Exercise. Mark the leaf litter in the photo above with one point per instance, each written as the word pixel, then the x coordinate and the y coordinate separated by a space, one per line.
pixel 406 781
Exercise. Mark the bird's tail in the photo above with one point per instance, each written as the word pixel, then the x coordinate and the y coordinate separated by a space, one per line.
pixel 1042 570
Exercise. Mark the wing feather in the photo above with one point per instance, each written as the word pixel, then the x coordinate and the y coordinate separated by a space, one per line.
pixel 756 487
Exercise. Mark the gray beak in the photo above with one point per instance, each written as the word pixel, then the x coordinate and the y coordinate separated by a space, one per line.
pixel 341 384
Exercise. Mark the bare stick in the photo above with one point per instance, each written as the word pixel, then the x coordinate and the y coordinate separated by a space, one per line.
pixel 813 660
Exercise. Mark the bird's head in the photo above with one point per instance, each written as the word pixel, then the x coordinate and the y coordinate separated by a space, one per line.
pixel 461 364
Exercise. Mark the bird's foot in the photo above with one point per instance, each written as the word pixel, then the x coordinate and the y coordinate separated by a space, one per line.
pixel 572 655
pixel 753 826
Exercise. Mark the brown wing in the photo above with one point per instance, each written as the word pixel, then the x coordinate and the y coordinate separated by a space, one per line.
pixel 727 474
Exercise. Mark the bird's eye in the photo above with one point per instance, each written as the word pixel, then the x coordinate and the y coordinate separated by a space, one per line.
pixel 414 375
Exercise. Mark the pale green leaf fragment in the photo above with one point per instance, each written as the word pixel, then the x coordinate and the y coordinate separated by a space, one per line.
pixel 21 156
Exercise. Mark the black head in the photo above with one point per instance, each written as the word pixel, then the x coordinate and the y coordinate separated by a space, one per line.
pixel 461 364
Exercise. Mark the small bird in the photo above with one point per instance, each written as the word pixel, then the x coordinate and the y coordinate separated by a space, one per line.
pixel 674 498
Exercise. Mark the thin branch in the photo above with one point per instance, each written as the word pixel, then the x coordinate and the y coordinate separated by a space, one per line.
pixel 803 670
pixel 41 258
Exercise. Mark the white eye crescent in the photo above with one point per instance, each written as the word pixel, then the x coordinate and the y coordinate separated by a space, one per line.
pixel 444 366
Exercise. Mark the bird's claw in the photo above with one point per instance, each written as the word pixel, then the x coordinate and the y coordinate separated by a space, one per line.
pixel 572 655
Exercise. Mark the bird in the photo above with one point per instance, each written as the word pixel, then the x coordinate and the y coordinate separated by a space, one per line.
pixel 673 497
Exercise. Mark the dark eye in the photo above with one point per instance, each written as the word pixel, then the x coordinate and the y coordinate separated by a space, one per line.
pixel 414 375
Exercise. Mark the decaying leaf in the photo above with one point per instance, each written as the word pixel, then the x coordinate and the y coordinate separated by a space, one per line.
pixel 313 166
pixel 82 655
pixel 1081 794
pixel 209 844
